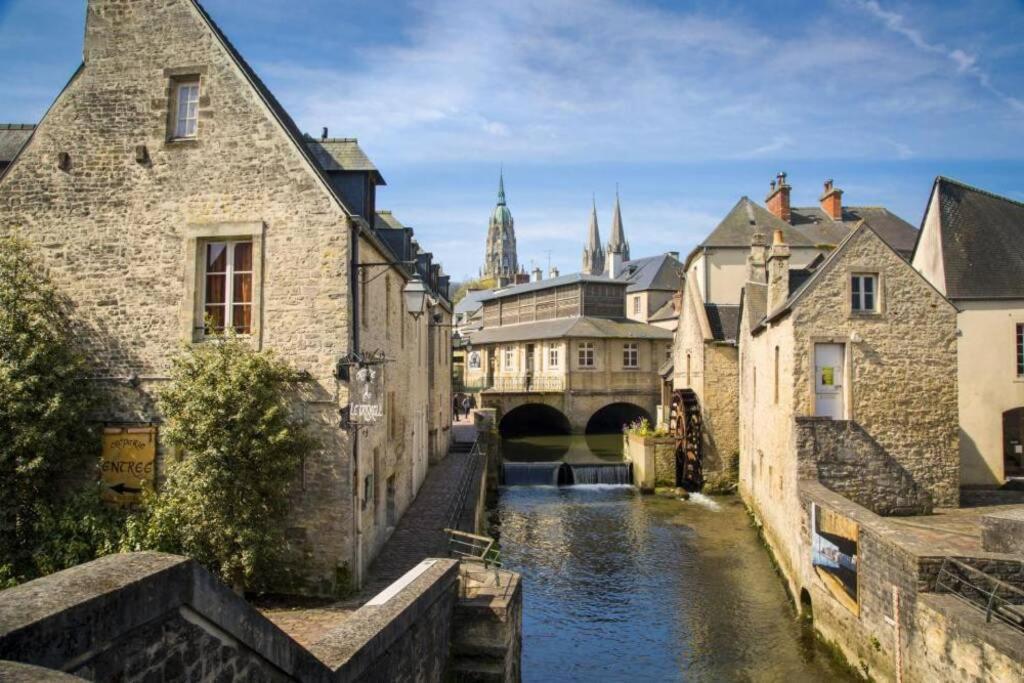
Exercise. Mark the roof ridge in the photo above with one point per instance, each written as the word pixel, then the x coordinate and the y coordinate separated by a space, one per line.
pixel 312 139
pixel 987 193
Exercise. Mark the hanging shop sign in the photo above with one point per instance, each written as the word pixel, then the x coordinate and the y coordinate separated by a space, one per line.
pixel 366 400
pixel 128 463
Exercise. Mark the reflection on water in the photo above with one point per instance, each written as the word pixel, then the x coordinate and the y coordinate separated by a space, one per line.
pixel 623 587
pixel 574 449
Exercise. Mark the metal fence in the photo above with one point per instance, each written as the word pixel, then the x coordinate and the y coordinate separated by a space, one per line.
pixel 528 383
pixel 994 597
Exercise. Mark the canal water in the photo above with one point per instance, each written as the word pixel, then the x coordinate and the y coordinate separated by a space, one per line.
pixel 624 587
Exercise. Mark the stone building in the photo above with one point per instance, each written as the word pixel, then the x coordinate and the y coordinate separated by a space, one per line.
pixel 565 344
pixel 865 344
pixel 705 357
pixel 971 249
pixel 13 137
pixel 166 184
pixel 500 261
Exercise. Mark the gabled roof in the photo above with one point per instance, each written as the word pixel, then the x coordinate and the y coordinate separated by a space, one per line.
pixel 471 302
pixel 747 218
pixel 582 327
pixel 13 137
pixel 819 227
pixel 724 320
pixel 982 240
pixel 569 279
pixel 342 154
pixel 666 312
pixel 659 272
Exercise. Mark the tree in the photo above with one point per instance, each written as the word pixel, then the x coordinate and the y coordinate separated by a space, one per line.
pixel 47 442
pixel 225 501
pixel 479 283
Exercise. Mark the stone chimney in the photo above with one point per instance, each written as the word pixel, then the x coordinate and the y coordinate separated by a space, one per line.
pixel 777 200
pixel 553 272
pixel 323 136
pixel 756 260
pixel 538 274
pixel 832 201
pixel 778 272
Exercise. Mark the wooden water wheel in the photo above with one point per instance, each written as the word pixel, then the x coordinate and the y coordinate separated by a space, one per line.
pixel 686 425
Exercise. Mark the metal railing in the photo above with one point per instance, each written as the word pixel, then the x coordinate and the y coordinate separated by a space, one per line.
pixel 994 597
pixel 474 548
pixel 527 383
pixel 458 501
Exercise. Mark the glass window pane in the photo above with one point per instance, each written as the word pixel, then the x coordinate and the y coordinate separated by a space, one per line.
pixel 243 256
pixel 869 301
pixel 215 315
pixel 242 290
pixel 216 289
pixel 216 258
pixel 869 285
pixel 241 318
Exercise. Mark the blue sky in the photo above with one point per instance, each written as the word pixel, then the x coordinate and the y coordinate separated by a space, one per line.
pixel 687 106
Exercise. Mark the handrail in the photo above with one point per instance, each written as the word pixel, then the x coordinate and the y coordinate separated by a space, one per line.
pixel 458 501
pixel 473 547
pixel 996 598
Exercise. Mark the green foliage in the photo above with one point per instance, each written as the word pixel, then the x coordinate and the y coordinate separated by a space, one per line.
pixel 225 502
pixel 643 428
pixel 479 283
pixel 48 445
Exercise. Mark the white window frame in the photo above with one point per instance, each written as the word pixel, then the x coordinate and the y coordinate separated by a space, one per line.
pixel 186 109
pixel 631 355
pixel 636 305
pixel 859 294
pixel 229 284
pixel 553 357
pixel 585 355
pixel 509 358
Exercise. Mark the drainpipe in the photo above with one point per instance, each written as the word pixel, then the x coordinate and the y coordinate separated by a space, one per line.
pixel 357 541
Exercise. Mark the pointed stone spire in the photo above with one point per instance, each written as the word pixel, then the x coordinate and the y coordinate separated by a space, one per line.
pixel 593 253
pixel 618 243
pixel 501 187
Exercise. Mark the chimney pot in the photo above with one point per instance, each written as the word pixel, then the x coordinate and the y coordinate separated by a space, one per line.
pixel 772 184
pixel 832 201
pixel 324 136
pixel 777 238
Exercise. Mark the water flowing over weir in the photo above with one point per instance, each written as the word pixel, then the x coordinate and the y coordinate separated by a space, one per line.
pixel 564 474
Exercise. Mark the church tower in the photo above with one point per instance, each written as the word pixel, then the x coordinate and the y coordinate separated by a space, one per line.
pixel 593 253
pixel 618 248
pixel 500 260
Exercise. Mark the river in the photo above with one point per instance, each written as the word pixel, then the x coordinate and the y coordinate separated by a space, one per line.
pixel 624 587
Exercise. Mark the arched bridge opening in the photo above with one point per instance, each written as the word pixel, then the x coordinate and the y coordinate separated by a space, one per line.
pixel 613 417
pixel 533 419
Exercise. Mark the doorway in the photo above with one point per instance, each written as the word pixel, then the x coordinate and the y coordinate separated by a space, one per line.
pixel 828 380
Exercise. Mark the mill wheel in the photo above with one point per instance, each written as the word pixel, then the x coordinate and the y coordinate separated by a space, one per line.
pixel 686 424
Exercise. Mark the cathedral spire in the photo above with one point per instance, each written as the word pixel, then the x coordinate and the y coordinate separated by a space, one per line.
pixel 501 187
pixel 593 254
pixel 618 243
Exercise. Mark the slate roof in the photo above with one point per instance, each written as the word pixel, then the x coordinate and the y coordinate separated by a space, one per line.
pixel 471 302
pixel 385 220
pixel 982 238
pixel 810 227
pixel 755 302
pixel 578 327
pixel 666 312
pixel 659 272
pixel 13 137
pixel 342 154
pixel 724 320
pixel 550 282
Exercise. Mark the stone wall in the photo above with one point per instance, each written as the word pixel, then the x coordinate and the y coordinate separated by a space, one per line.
pixel 654 461
pixel 720 407
pixel 146 616
pixel 1003 532
pixel 844 457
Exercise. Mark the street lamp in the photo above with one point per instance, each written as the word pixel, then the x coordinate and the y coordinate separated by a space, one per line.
pixel 415 294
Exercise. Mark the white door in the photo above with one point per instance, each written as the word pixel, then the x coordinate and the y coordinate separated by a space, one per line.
pixel 828 381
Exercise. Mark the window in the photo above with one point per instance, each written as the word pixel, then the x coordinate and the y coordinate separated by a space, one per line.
pixel 636 305
pixel 586 354
pixel 553 357
pixel 1020 350
pixel 863 289
pixel 688 383
pixel 509 358
pixel 186 109
pixel 227 291
pixel 631 355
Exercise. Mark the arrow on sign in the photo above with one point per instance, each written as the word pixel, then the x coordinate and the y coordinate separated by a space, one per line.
pixel 122 489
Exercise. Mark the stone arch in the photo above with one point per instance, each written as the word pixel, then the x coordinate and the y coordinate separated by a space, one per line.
pixel 614 416
pixel 533 419
pixel 806 608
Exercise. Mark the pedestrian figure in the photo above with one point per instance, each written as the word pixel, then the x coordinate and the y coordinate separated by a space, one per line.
pixel 466 405
pixel 455 406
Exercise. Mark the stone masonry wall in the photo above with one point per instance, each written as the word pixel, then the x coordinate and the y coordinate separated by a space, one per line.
pixel 902 388
pixel 843 457
pixel 721 406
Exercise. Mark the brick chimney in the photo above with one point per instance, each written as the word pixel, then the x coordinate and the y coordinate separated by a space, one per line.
pixel 756 260
pixel 778 272
pixel 777 200
pixel 832 201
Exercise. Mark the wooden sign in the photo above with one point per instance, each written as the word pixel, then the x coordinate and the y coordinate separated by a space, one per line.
pixel 128 463
pixel 367 402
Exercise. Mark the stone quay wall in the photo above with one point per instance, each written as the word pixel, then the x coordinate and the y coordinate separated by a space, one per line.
pixel 140 616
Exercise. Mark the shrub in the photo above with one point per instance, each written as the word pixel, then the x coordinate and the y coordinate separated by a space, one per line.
pixel 225 502
pixel 48 446
pixel 642 427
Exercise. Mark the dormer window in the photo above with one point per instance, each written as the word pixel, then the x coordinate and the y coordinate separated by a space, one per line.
pixel 186 117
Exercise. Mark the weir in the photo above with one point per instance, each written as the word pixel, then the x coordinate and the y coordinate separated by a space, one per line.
pixel 563 474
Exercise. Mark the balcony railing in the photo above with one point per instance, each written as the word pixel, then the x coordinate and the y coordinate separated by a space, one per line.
pixel 528 383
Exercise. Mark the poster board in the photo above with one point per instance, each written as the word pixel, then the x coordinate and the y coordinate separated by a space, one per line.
pixel 128 463
pixel 834 539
